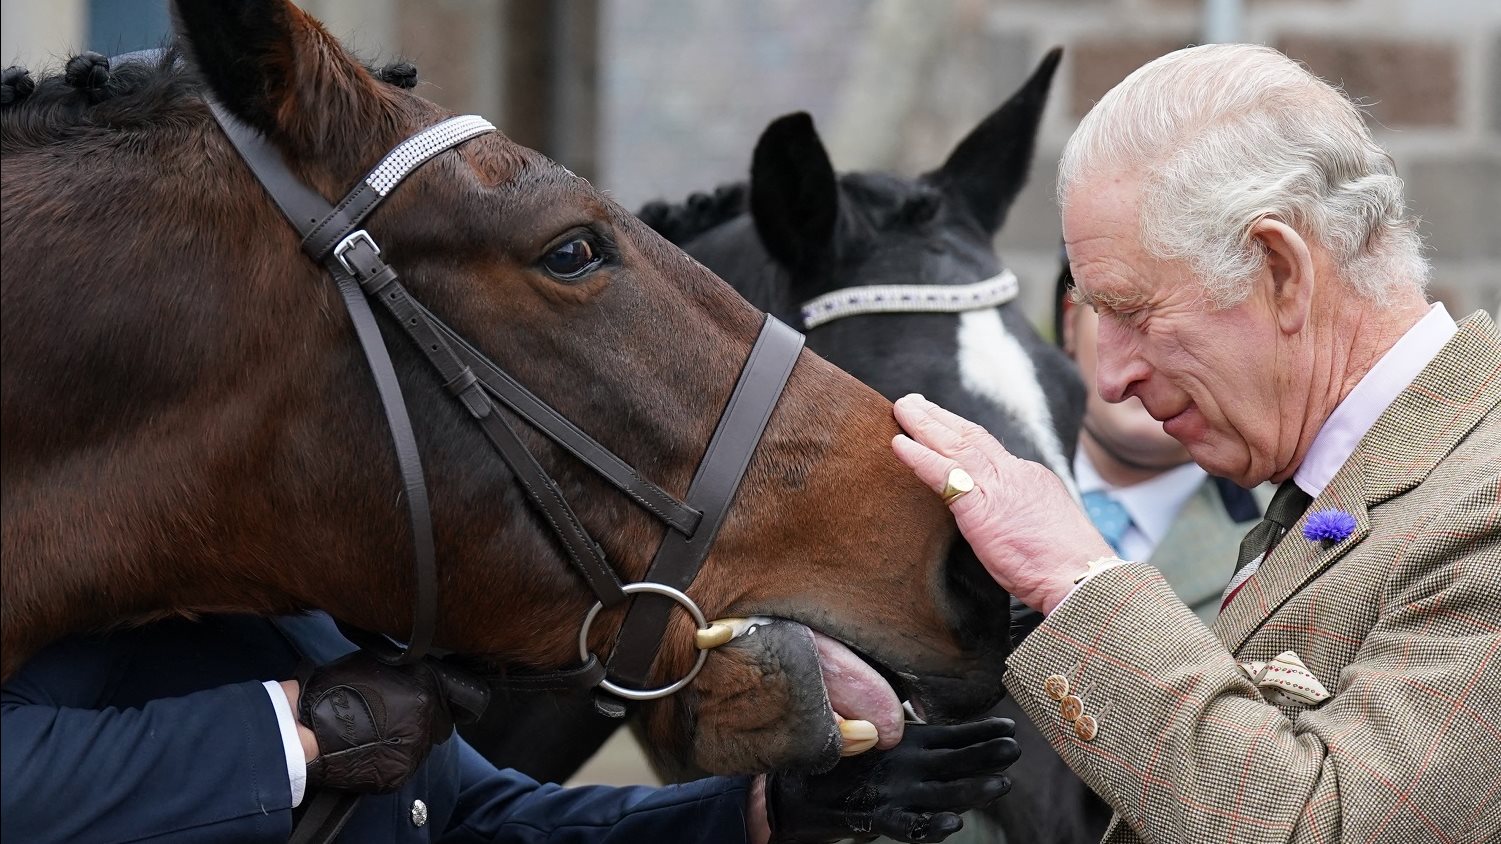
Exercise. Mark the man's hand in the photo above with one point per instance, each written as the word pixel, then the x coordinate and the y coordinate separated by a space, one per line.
pixel 375 723
pixel 912 792
pixel 1023 525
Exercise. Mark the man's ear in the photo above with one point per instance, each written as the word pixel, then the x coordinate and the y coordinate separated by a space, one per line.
pixel 278 70
pixel 1288 276
pixel 1070 331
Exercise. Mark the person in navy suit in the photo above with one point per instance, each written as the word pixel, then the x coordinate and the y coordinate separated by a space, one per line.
pixel 173 732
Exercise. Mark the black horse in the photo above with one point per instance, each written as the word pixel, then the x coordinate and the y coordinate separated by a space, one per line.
pixel 831 254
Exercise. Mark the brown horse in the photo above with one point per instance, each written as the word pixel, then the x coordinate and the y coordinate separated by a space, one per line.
pixel 189 426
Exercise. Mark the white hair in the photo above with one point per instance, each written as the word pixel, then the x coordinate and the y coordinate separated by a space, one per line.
pixel 1225 135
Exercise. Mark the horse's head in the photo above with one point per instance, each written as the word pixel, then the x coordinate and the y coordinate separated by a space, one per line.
pixel 798 231
pixel 189 425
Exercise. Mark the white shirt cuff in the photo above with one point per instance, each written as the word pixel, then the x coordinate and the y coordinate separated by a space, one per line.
pixel 290 743
pixel 1100 569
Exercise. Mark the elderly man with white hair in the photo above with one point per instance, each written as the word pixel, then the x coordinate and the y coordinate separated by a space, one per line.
pixel 1260 289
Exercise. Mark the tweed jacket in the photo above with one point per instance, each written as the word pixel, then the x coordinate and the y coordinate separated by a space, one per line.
pixel 1399 626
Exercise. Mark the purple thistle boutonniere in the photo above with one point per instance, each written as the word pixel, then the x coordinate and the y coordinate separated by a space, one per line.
pixel 1328 526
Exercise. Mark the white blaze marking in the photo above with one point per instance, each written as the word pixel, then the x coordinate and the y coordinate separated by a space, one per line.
pixel 995 367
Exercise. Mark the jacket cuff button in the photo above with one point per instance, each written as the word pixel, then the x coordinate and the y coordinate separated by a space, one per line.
pixel 1056 686
pixel 1086 728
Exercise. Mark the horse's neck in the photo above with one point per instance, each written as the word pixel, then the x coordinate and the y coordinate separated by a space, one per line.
pixel 162 457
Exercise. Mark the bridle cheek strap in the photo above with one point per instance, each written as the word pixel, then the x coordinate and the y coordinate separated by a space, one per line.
pixel 712 490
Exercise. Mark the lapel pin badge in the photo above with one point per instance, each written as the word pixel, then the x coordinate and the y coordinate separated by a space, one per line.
pixel 1328 526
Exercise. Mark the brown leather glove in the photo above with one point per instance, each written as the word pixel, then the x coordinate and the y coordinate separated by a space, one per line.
pixel 375 723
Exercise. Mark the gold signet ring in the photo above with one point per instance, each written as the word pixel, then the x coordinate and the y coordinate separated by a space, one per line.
pixel 957 485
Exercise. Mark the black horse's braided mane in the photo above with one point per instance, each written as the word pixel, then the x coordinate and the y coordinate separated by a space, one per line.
pixel 38 110
pixel 697 214
pixel 702 212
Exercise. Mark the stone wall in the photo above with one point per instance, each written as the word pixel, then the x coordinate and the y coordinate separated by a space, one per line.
pixel 893 84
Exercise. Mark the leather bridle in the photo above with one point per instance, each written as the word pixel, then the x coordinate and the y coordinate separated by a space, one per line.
pixel 332 235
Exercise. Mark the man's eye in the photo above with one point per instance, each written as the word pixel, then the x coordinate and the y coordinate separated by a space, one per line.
pixel 571 260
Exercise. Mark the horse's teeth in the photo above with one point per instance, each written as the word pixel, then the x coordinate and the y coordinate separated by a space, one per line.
pixel 714 635
pixel 859 736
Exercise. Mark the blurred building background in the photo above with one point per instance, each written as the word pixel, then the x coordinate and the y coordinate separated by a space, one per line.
pixel 657 98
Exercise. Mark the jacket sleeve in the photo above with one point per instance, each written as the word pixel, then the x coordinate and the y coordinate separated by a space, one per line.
pixel 207 766
pixel 505 806
pixel 1186 743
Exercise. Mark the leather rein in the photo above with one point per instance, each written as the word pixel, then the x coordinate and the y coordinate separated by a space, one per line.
pixel 332 235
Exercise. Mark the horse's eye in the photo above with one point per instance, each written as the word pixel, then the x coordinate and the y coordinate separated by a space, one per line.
pixel 571 260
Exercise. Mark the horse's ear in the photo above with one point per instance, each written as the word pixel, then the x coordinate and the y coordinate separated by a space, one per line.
pixel 276 68
pixel 989 167
pixel 794 197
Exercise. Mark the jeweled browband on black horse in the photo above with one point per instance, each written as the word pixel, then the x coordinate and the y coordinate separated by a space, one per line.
pixel 332 236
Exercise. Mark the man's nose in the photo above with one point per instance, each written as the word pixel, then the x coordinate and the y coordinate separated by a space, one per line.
pixel 1119 365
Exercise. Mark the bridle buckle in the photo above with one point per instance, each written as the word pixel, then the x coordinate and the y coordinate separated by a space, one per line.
pixel 351 240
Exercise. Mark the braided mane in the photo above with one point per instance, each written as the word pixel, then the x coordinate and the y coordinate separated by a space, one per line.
pixel 697 214
pixel 93 92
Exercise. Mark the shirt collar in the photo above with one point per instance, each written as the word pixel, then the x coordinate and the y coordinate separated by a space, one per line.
pixel 1152 504
pixel 1375 392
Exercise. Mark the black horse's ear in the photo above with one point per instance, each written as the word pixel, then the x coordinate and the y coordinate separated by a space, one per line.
pixel 276 68
pixel 794 196
pixel 989 167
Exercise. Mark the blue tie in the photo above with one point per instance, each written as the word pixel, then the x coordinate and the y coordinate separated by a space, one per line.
pixel 1109 516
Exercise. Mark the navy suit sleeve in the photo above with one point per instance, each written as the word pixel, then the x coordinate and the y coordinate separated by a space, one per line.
pixel 208 766
pixel 505 806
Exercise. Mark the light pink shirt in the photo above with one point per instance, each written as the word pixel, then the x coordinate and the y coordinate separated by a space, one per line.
pixel 1371 397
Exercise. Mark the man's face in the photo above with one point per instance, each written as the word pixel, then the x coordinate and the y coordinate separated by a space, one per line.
pixel 1211 376
pixel 1124 430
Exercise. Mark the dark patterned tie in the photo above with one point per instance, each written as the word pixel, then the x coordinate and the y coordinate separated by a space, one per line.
pixel 1282 513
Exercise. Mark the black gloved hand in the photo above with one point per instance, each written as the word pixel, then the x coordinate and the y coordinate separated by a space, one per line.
pixel 375 723
pixel 913 792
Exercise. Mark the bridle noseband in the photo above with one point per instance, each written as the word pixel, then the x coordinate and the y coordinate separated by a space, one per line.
pixel 332 235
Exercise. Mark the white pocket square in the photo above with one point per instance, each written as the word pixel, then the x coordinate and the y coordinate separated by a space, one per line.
pixel 1286 681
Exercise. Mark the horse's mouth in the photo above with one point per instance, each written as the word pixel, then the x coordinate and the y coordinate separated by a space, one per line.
pixel 863 698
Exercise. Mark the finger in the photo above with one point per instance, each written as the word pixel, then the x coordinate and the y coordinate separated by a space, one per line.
pixel 963 735
pixel 907 825
pixel 959 795
pixel 942 825
pixel 971 433
pixel 930 467
pixel 990 757
pixel 951 433
pixel 914 414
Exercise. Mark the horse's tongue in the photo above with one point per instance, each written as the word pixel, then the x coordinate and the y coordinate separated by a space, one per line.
pixel 858 692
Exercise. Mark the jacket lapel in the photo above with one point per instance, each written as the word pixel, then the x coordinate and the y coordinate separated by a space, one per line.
pixel 1447 399
pixel 1296 559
